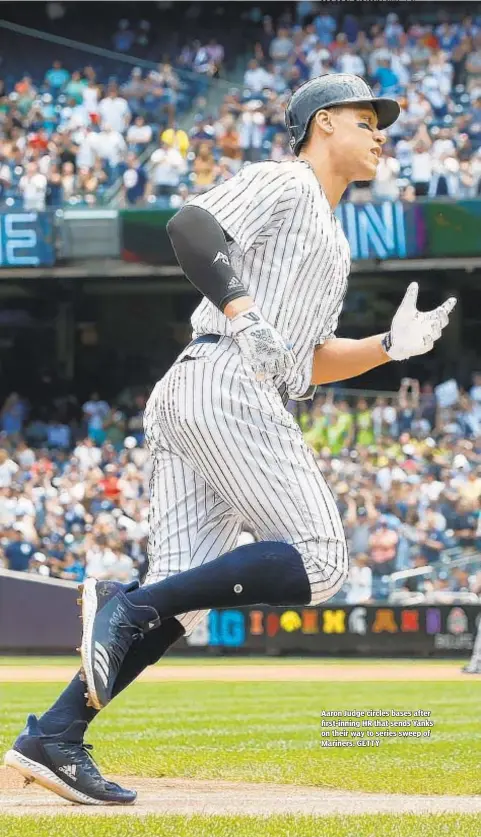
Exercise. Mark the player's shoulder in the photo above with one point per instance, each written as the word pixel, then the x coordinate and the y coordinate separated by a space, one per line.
pixel 285 173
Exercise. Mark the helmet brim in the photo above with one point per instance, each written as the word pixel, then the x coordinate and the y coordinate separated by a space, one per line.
pixel 387 110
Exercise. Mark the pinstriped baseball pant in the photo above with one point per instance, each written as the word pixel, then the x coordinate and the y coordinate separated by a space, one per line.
pixel 225 451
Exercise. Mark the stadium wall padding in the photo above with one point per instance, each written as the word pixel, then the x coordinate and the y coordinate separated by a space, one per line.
pixel 40 616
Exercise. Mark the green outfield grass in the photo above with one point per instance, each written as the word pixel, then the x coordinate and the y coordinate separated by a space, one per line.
pixel 270 732
pixel 152 826
pixel 241 660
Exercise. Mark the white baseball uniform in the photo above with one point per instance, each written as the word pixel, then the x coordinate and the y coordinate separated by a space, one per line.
pixel 474 664
pixel 225 449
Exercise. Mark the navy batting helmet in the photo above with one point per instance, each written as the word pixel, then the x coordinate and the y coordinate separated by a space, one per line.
pixel 327 91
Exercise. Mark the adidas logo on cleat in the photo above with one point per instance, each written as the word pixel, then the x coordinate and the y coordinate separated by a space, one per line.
pixel 102 663
pixel 70 770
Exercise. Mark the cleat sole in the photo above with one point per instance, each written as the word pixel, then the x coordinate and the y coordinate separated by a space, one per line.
pixel 89 610
pixel 32 771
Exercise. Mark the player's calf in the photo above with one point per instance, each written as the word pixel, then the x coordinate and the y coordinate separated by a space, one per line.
pixel 262 573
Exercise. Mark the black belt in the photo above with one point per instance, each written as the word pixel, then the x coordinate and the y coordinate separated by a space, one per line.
pixel 214 338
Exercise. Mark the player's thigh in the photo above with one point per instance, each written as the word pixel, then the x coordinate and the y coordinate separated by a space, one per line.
pixel 189 523
pixel 238 437
pixel 251 453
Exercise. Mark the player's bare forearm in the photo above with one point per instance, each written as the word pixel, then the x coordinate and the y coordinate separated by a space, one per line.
pixel 341 358
pixel 237 306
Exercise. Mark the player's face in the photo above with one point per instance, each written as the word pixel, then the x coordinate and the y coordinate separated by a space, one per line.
pixel 358 142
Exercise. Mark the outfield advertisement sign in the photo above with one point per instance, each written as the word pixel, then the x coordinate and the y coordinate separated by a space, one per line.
pixel 380 231
pixel 355 629
pixel 26 239
pixel 41 616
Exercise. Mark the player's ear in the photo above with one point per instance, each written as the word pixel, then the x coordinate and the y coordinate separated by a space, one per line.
pixel 323 121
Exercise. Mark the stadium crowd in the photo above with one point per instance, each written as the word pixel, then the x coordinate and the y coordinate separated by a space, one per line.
pixel 405 469
pixel 69 135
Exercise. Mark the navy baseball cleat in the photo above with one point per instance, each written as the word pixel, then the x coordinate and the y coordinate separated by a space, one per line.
pixel 106 590
pixel 108 632
pixel 61 763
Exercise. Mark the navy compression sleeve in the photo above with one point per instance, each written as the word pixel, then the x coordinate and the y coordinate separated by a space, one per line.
pixel 201 249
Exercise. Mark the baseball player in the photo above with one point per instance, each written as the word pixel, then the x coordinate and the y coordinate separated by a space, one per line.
pixel 270 257
pixel 474 665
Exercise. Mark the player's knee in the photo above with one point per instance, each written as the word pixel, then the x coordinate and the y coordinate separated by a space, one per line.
pixel 326 564
pixel 196 626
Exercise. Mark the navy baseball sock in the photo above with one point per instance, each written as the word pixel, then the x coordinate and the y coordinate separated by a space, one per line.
pixel 260 573
pixel 72 706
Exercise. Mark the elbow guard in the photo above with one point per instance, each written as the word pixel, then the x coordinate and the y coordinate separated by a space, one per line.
pixel 201 249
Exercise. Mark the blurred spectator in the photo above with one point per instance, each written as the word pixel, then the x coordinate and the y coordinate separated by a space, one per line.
pixel 12 415
pixel 134 181
pixel 95 410
pixel 350 62
pixel 385 186
pixel 91 182
pixel 251 130
pixel 421 169
pixel 359 582
pixel 204 168
pixel 90 97
pixel 162 91
pixel 281 47
pixel 256 78
pixel 475 392
pixel 58 435
pixel 229 143
pixel 325 26
pixel 167 166
pixel 279 148
pixel 135 88
pixel 18 551
pixel 114 111
pixel 215 52
pixel 201 62
pixel 33 188
pixel 473 66
pixel 385 78
pixel 75 87
pixel 71 568
pixel 175 137
pixel 8 468
pixel 318 60
pixel 68 181
pixel 202 132
pixel 56 78
pixel 110 147
pixel 139 135
pixel 180 197
pixel 383 544
pixel 123 38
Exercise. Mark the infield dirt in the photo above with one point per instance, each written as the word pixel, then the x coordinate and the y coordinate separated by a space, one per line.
pixel 251 673
pixel 195 796
pixel 191 796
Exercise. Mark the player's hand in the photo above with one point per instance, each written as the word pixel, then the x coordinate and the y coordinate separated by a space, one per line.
pixel 415 332
pixel 260 343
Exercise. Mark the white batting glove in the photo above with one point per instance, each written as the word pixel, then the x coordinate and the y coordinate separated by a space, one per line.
pixel 415 332
pixel 260 343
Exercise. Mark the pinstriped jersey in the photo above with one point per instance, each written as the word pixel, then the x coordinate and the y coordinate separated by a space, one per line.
pixel 290 252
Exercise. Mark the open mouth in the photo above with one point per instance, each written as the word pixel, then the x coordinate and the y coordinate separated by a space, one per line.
pixel 377 153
